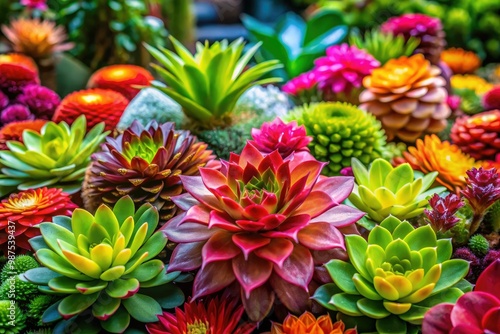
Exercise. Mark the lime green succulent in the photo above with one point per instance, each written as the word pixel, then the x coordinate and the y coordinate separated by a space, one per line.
pixel 105 263
pixel 56 157
pixel 11 324
pixel 395 277
pixel 340 131
pixel 384 190
pixel 208 84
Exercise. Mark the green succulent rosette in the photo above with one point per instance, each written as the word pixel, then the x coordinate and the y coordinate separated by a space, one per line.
pixel 340 132
pixel 56 157
pixel 384 190
pixel 104 265
pixel 394 278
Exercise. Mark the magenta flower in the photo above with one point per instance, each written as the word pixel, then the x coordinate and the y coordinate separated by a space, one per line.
pixel 41 101
pixel 4 100
pixel 491 100
pixel 301 84
pixel 453 102
pixel 284 137
pixel 14 113
pixel 475 312
pixel 483 188
pixel 35 4
pixel 259 226
pixel 343 68
pixel 442 216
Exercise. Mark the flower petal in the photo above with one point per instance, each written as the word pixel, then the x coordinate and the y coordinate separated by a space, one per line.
pixel 294 298
pixel 212 278
pixel 195 186
pixel 338 187
pixel 259 303
pixel 488 280
pixel 321 236
pixel 437 320
pixel 298 268
pixel 252 273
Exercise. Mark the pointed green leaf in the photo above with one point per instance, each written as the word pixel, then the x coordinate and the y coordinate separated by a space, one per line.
pixel 75 304
pixel 142 308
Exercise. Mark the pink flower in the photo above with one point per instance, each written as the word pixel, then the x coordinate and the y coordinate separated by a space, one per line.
pixel 16 112
pixel 453 102
pixel 412 25
pixel 35 4
pixel 343 68
pixel 491 100
pixel 304 82
pixel 475 312
pixel 41 101
pixel 284 137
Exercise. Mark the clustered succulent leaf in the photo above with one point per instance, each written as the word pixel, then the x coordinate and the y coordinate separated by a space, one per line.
pixel 56 157
pixel 384 190
pixel 37 307
pixel 208 84
pixel 104 263
pixel 21 264
pixel 394 277
pixel 340 132
pixel 6 324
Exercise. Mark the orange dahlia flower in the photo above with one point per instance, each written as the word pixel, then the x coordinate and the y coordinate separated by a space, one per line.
pixel 19 213
pixel 125 79
pixel 36 38
pixel 461 61
pixel 98 105
pixel 17 71
pixel 308 324
pixel 408 96
pixel 14 131
pixel 434 155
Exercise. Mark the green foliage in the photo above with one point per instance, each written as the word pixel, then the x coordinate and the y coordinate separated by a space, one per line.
pixel 21 264
pixel 295 43
pixel 37 306
pixel 340 131
pixel 492 217
pixel 384 47
pixel 15 289
pixel 105 263
pixel 6 324
pixel 56 157
pixel 479 245
pixel 208 84
pixel 470 102
pixel 383 190
pixel 395 277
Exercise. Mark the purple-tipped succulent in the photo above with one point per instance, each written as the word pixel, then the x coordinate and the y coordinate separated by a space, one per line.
pixel 442 216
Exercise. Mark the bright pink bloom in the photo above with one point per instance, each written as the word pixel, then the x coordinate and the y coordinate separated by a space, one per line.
pixel 304 82
pixel 259 226
pixel 476 312
pixel 35 4
pixel 284 137
pixel 343 68
pixel 453 102
pixel 491 100
pixel 416 25
pixel 483 188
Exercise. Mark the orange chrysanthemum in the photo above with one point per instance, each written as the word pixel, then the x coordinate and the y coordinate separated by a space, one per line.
pixel 308 324
pixel 124 79
pixel 433 155
pixel 408 96
pixel 98 105
pixel 22 211
pixel 17 71
pixel 461 61
pixel 14 131
pixel 36 38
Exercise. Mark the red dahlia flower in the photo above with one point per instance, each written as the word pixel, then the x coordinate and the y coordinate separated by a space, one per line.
pixel 29 208
pixel 261 223
pixel 284 137
pixel 219 317
pixel 475 312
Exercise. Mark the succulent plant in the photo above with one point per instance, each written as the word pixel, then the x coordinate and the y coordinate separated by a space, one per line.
pixel 98 105
pixel 443 217
pixel 492 217
pixel 14 131
pixel 208 84
pixel 144 163
pixel 461 61
pixel 7 325
pixel 17 71
pixel 408 96
pixel 123 78
pixel 307 323
pixel 37 307
pixel 340 131
pixel 20 264
pixel 57 156
pixel 394 277
pixel 383 190
pixel 105 263
pixel 384 46
pixel 474 312
pixel 491 100
pixel 241 220
pixel 479 245
pixel 23 291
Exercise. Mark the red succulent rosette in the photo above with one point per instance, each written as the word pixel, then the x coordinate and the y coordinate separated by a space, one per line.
pixel 17 71
pixel 29 208
pixel 259 226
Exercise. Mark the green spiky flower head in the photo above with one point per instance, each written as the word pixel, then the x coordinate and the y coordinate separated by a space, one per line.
pixel 23 291
pixel 384 190
pixel 105 263
pixel 20 264
pixel 57 157
pixel 340 132
pixel 9 324
pixel 394 277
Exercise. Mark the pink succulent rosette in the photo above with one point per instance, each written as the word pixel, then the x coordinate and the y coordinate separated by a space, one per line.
pixel 259 226
pixel 476 312
pixel 278 135
pixel 343 69
pixel 301 84
pixel 35 4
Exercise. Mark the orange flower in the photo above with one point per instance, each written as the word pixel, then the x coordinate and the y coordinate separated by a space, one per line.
pixel 461 61
pixel 29 208
pixel 308 324
pixel 124 79
pixel 433 155
pixel 98 105
pixel 408 96
pixel 17 71
pixel 14 131
pixel 36 38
